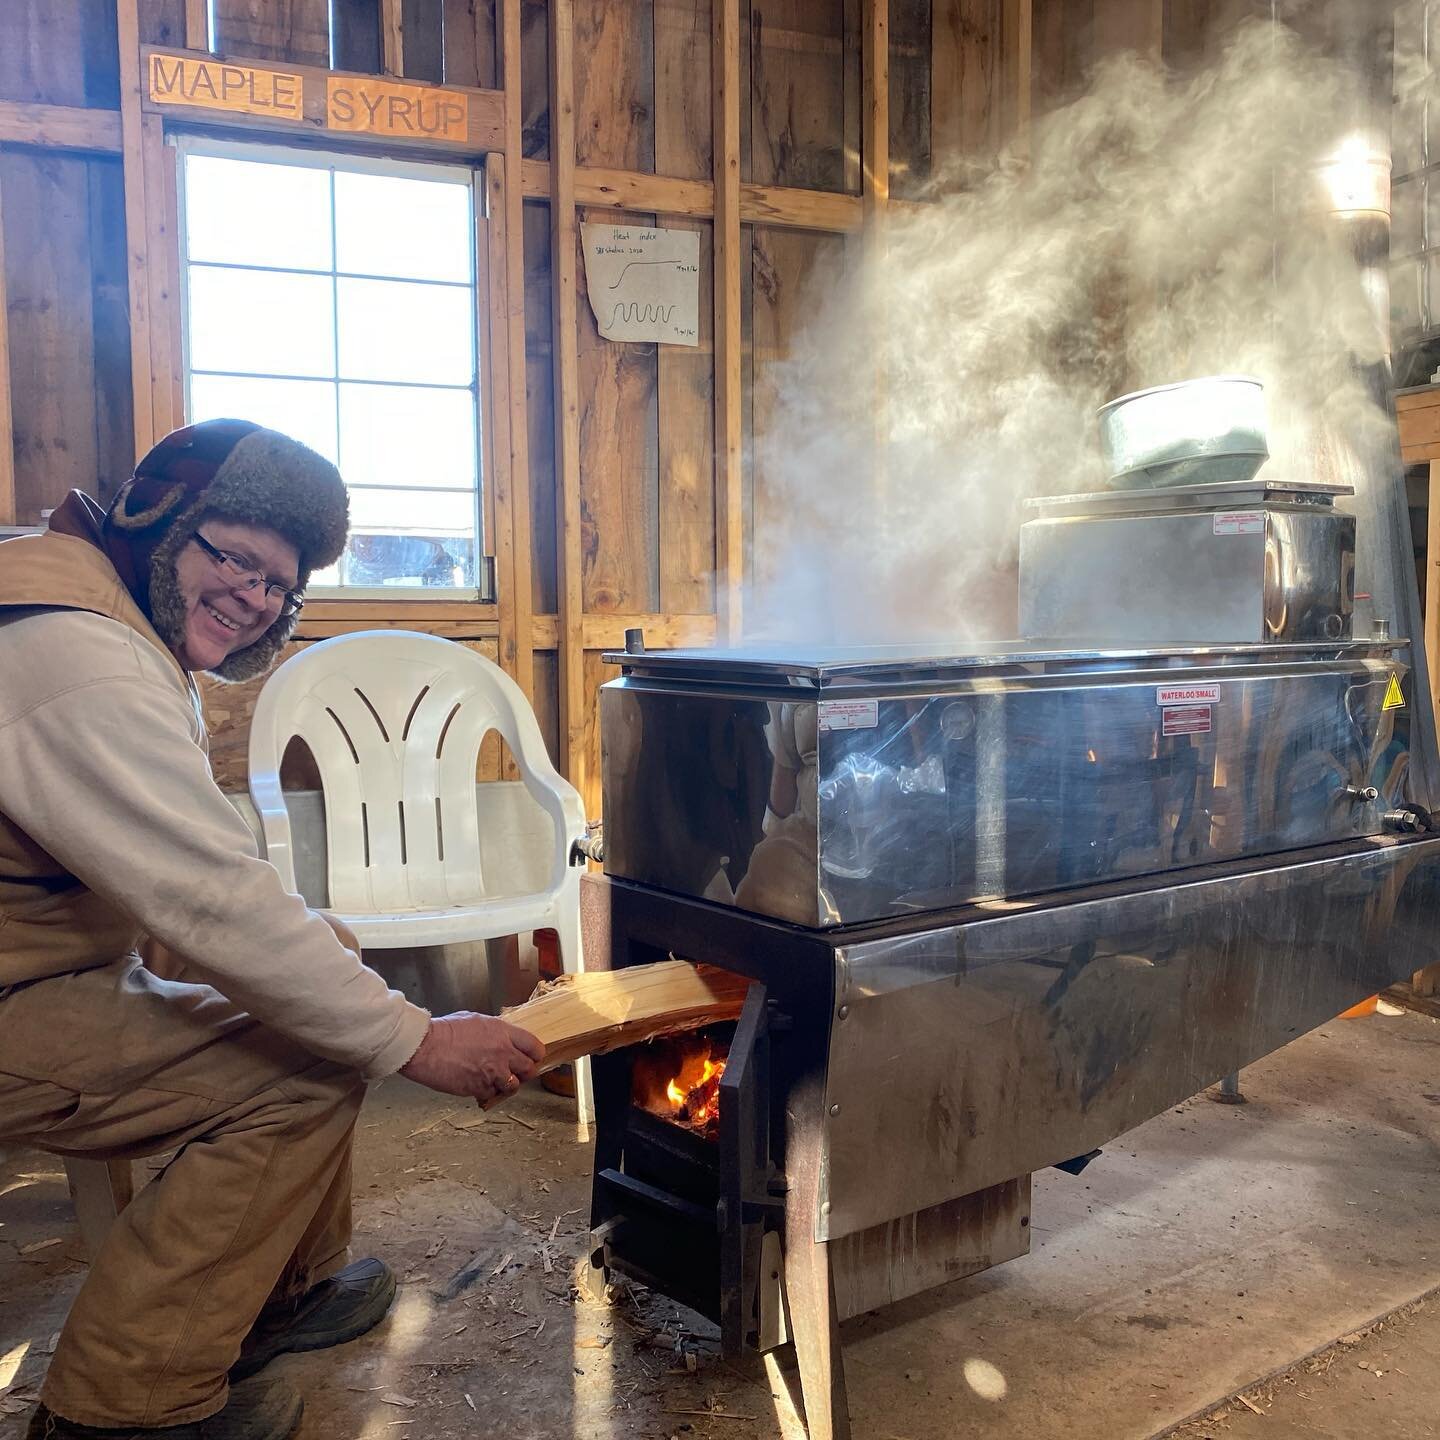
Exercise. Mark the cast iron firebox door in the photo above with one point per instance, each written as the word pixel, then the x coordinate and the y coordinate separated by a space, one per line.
pixel 752 1191
pixel 650 1219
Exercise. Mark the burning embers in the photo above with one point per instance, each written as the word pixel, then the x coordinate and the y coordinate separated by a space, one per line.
pixel 678 1079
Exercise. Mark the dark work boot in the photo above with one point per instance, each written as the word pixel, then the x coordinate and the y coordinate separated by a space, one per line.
pixel 256 1410
pixel 341 1308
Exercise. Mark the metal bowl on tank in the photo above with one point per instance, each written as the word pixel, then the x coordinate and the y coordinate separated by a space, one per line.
pixel 1205 431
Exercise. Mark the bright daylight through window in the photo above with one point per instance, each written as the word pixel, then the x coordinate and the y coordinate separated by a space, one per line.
pixel 334 299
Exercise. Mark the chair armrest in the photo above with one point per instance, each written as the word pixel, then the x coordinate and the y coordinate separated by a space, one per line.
pixel 277 845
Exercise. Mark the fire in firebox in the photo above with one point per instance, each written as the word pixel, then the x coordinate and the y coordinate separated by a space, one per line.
pixel 678 1079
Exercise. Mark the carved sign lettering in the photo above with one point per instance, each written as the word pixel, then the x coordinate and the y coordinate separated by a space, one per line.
pixel 217 85
pixel 382 107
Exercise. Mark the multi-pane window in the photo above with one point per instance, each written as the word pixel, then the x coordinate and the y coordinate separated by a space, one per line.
pixel 1415 168
pixel 334 298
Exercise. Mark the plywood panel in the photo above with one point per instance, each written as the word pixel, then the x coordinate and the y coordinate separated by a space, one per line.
pixel 296 30
pixel 682 81
pixel 596 674
pixel 110 309
pixel 540 394
pixel 804 120
pixel 1064 39
pixel 782 264
pixel 59 52
pixel 535 77
pixel 730 247
pixel 423 39
pixel 686 377
pixel 162 22
pixel 619 463
pixel 1130 25
pixel 7 431
pixel 1070 36
pixel 51 328
pixel 745 44
pixel 228 709
pixel 547 701
pixel 471 51
pixel 1195 31
pixel 615 84
pixel 969 72
pixel 748 266
pixel 686 418
pixel 910 22
pixel 356 35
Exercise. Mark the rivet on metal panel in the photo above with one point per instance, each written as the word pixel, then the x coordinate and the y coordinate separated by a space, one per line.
pixel 844 1011
pixel 824 1207
pixel 835 1109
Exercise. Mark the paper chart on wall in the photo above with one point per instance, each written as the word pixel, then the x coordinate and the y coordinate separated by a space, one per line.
pixel 643 283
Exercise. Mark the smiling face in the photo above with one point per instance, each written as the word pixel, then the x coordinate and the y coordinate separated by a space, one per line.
pixel 220 616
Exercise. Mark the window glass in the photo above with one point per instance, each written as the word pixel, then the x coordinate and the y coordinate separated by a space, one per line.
pixel 261 322
pixel 231 207
pixel 404 435
pixel 334 299
pixel 422 510
pixel 415 334
pixel 302 408
pixel 414 229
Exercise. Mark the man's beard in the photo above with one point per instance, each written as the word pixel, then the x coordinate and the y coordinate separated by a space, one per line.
pixel 169 613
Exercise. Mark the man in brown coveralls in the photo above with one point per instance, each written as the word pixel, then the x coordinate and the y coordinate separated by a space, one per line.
pixel 111 826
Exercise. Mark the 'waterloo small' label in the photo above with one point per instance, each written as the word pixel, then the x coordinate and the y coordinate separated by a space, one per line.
pixel 1187 695
pixel 849 714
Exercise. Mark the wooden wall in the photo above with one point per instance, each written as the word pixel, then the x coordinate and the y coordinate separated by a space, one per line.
pixel 622 476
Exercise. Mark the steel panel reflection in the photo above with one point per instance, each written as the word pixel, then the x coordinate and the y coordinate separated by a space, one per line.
pixel 843 806
pixel 963 1056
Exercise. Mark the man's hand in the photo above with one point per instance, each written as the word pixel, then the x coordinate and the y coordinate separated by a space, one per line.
pixel 477 1055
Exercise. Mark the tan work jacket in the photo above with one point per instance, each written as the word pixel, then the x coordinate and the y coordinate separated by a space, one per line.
pixel 49 921
pixel 111 825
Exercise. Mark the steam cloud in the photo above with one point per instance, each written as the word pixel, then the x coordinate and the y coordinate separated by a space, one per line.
pixel 1161 229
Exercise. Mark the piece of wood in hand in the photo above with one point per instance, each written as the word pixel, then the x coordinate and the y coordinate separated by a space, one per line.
pixel 602 1010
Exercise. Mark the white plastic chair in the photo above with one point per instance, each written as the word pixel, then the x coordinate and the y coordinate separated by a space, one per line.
pixel 395 721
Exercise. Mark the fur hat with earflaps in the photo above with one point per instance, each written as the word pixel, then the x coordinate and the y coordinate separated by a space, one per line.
pixel 227 470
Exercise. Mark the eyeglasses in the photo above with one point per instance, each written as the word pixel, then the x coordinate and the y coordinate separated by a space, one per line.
pixel 242 574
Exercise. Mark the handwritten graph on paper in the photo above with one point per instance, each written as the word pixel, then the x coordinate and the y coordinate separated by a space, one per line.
pixel 643 283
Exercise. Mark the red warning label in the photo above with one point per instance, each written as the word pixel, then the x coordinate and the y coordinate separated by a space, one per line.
pixel 1240 522
pixel 1186 720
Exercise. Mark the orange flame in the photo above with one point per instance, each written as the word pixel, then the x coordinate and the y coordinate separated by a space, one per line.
pixel 679 1079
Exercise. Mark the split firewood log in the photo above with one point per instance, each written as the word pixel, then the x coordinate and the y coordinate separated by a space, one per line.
pixel 602 1010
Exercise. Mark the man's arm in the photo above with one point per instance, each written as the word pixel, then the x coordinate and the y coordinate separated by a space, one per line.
pixel 107 776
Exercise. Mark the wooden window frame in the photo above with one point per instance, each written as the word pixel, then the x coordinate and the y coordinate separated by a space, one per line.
pixel 267 150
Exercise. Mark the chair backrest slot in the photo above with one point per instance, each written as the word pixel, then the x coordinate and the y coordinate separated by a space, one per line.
pixel 445 729
pixel 340 726
pixel 439 832
pixel 384 734
pixel 404 847
pixel 365 830
pixel 405 734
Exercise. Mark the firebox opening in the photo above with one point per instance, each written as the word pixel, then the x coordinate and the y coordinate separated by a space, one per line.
pixel 677 1078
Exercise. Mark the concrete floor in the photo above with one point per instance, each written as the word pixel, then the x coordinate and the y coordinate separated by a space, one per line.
pixel 1211 1248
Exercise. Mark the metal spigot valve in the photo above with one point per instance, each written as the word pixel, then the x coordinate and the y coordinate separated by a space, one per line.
pixel 1406 821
